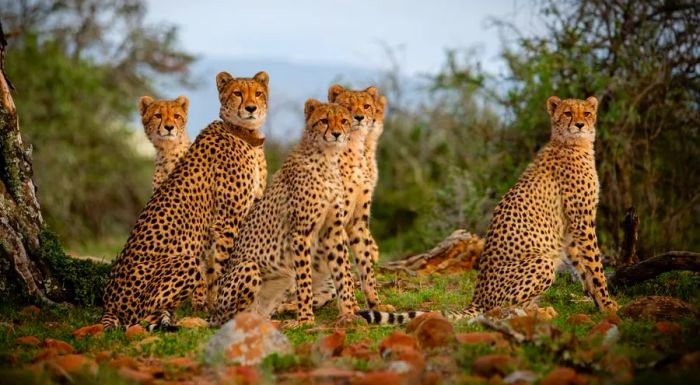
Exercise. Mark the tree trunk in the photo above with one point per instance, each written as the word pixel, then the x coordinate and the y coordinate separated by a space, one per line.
pixel 22 270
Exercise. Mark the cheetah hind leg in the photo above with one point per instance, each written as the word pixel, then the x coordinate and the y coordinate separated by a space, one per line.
pixel 237 291
pixel 109 320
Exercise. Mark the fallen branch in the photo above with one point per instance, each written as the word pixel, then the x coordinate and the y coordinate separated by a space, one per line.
pixel 652 267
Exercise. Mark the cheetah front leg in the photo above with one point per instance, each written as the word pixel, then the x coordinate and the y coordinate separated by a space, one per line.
pixel 366 252
pixel 338 259
pixel 222 247
pixel 585 255
pixel 301 249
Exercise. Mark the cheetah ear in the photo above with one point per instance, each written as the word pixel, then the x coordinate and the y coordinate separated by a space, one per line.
pixel 262 77
pixel 552 104
pixel 144 102
pixel 183 101
pixel 334 91
pixel 593 101
pixel 310 106
pixel 222 79
pixel 372 90
pixel 382 102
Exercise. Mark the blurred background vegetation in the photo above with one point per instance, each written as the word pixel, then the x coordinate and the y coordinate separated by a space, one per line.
pixel 444 164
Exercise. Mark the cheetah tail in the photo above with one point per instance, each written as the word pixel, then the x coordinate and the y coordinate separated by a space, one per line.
pixel 374 317
pixel 109 321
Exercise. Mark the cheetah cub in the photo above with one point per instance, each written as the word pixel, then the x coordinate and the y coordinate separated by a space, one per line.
pixel 300 212
pixel 164 122
pixel 548 215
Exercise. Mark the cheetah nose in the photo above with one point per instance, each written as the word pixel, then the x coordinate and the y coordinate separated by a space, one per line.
pixel 251 108
pixel 169 127
pixel 359 117
pixel 579 125
pixel 336 134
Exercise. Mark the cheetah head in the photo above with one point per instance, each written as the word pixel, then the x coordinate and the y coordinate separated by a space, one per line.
pixel 572 119
pixel 326 123
pixel 243 100
pixel 164 120
pixel 361 104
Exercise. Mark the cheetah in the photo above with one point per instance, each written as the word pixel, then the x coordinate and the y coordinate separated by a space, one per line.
pixel 193 215
pixel 299 214
pixel 547 216
pixel 359 180
pixel 164 122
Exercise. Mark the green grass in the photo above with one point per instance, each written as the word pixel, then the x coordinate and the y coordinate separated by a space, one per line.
pixel 644 347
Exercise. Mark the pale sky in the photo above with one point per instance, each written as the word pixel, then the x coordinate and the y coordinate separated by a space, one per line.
pixel 347 32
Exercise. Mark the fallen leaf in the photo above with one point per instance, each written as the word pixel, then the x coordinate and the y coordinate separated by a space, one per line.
pixel 488 338
pixel 434 332
pixel 413 325
pixel 75 363
pixel 134 331
pixel 247 374
pixel 563 376
pixel 30 311
pixel 123 361
pixel 331 345
pixel 91 330
pixel 397 340
pixel 667 327
pixel 45 354
pixel 192 323
pixel 182 362
pixel 135 375
pixel 360 349
pixel 103 356
pixel 494 364
pixel 579 319
pixel 28 340
pixel 613 318
pixel 58 345
pixel 383 378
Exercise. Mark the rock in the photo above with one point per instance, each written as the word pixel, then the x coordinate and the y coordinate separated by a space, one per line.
pixel 28 340
pixel 399 346
pixel 658 308
pixel 579 319
pixel 246 339
pixel 613 318
pixel 91 330
pixel 134 331
pixel 331 345
pixel 58 345
pixel 433 331
pixel 564 376
pixel 607 330
pixel 494 364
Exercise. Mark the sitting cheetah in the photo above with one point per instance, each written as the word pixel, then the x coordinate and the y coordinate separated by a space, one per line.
pixel 195 213
pixel 359 179
pixel 548 215
pixel 300 213
pixel 164 122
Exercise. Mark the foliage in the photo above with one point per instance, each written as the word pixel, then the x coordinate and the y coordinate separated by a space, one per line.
pixel 445 164
pixel 83 281
pixel 78 67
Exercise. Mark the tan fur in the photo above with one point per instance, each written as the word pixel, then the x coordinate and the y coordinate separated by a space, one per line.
pixel 298 216
pixel 193 216
pixel 164 122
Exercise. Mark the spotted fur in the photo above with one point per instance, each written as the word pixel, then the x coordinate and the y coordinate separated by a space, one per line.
pixel 193 215
pixel 299 216
pixel 546 217
pixel 164 122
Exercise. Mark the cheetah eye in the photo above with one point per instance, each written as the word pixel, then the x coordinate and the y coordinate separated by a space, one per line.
pixel 324 121
pixel 159 115
pixel 258 94
pixel 586 114
pixel 344 121
pixel 567 113
pixel 177 116
pixel 367 106
pixel 238 93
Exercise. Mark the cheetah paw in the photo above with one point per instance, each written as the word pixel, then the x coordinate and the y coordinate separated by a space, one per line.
pixel 296 324
pixel 349 320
